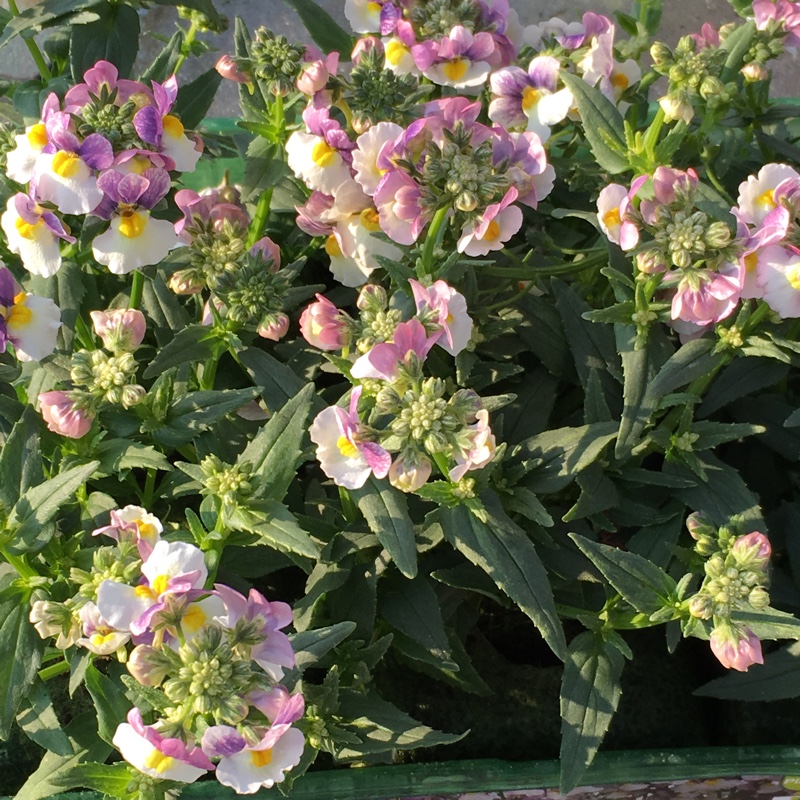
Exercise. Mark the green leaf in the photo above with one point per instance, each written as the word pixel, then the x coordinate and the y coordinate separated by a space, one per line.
pixel 769 623
pixel 778 678
pixel 109 700
pixel 203 6
pixel 191 344
pixel 744 376
pixel 598 493
pixel 507 555
pixel 164 310
pixel 712 434
pixel 263 168
pixel 119 454
pixel 22 649
pixel 556 456
pixel 20 459
pixel 322 27
pixel 737 46
pixel 412 607
pixel 590 693
pixel 39 505
pixel 278 383
pixel 37 718
pixel 382 727
pixel 110 779
pixel 195 412
pixel 113 37
pixel 311 646
pixel 47 14
pixel 164 64
pixel 644 586
pixel 602 124
pixel 386 511
pixel 277 450
pixel 195 98
pixel 275 526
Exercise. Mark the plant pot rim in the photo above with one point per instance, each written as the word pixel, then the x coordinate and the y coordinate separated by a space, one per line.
pixel 460 777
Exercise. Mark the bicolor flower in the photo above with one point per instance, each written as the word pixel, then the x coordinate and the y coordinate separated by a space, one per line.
pixel 212 205
pixel 397 199
pixel 778 278
pixel 65 172
pixel 263 619
pixel 612 203
pixel 492 229
pixel 779 11
pixel 321 155
pixel 757 194
pixel 64 415
pixel 365 155
pixel 568 34
pixel 398 48
pixel 383 361
pixel 705 297
pixel 752 551
pixel 372 16
pixel 21 161
pixel 28 322
pixel 735 649
pixel 103 78
pixel 156 126
pixel 34 233
pixel 448 309
pixel 481 451
pixel 247 768
pixel 460 59
pixel 143 747
pixel 598 63
pixel 772 232
pixel 133 239
pixel 172 568
pixel 98 635
pixel 528 170
pixel 135 524
pixel 531 99
pixel 622 76
pixel 121 329
pixel 344 455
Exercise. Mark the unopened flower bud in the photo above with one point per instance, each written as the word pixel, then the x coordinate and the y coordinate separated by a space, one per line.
pixel 650 262
pixel 269 251
pixel 466 201
pixel 715 566
pixel 231 71
pixel 754 72
pixel 711 87
pixel 699 525
pixel 64 416
pixel 700 606
pixel 734 649
pixel 147 665
pixel 185 282
pixel 323 325
pixel 119 328
pixel 758 597
pixel 409 474
pixel 660 53
pixel 132 395
pixel 313 78
pixel 718 235
pixel 752 551
pixel 275 329
pixel 372 297
pixel 676 106
pixel 364 45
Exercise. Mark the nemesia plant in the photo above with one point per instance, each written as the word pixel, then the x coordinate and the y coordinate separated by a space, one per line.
pixel 477 322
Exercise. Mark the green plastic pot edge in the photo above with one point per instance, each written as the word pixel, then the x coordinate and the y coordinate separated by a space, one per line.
pixel 458 777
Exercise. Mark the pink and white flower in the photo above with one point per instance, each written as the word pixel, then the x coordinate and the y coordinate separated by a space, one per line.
pixel 481 451
pixel 28 322
pixel 98 635
pixel 460 59
pixel 64 416
pixel 343 454
pixel 492 229
pixel 449 310
pixel 368 148
pixel 121 329
pixel 383 361
pixel 133 523
pixel 705 297
pixel 408 474
pixel 397 199
pixel 612 203
pixel 757 194
pixel 772 232
pixel 324 326
pixel 778 278
pixel 398 50
pixel 736 650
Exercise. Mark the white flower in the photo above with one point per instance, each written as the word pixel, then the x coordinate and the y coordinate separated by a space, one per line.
pixel 20 162
pixel 98 635
pixel 779 278
pixel 319 165
pixel 32 324
pixel 364 16
pixel 134 240
pixel 175 144
pixel 365 156
pixel 34 242
pixel 757 193
pixel 64 179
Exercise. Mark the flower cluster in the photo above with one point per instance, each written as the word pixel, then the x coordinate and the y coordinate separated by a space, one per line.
pixel 735 578
pixel 405 412
pixel 108 152
pixel 99 377
pixel 210 660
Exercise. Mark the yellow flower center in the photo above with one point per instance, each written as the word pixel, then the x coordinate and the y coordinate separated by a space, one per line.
pixel 767 199
pixel 261 758
pixel 620 81
pixel 99 639
pixel 750 261
pixel 332 247
pixel 323 155
pixel 194 618
pixel 158 761
pixel 530 97
pixel 37 136
pixel 159 585
pixel 145 592
pixel 396 51
pixel 132 224
pixel 492 232
pixel 346 447
pixel 66 164
pixel 612 219
pixel 146 530
pixel 172 126
pixel 370 220
pixel 456 69
pixel 28 230
pixel 20 314
pixel 793 276
pixel 138 164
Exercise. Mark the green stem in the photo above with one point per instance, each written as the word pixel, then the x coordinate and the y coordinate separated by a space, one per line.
pixel 33 48
pixel 510 300
pixel 137 289
pixel 260 218
pixel 431 240
pixel 651 137
pixel 754 320
pixel 209 372
pixel 20 564
pixel 279 119
pixel 444 467
pixel 186 47
pixel 53 670
pixel 149 488
pixel 349 508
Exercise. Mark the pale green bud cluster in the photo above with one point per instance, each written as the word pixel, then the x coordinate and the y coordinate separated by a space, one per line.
pixel 436 18
pixel 230 483
pixel 252 293
pixel 109 378
pixel 215 250
pixel 276 60
pixel 109 563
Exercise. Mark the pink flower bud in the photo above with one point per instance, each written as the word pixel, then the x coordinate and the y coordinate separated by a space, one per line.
pixel 753 72
pixel 147 665
pixel 230 70
pixel 698 526
pixel 324 326
pixel 208 316
pixel 63 416
pixel 408 476
pixel 276 329
pixel 121 329
pixel 313 78
pixel 736 653
pixel 752 549
pixel 269 251
pixel 371 296
pixel 185 283
pixel 363 46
